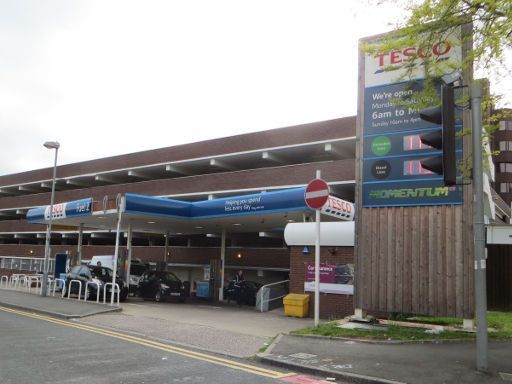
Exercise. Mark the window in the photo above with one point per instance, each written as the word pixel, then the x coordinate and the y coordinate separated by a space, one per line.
pixel 25 264
pixel 505 167
pixel 505 145
pixel 37 265
pixel 505 187
pixel 505 125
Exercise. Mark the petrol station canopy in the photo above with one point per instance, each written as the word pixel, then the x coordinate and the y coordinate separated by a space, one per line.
pixel 261 212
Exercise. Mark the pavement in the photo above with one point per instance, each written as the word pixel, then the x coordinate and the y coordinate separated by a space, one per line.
pixel 53 306
pixel 389 362
pixel 241 332
pixel 226 329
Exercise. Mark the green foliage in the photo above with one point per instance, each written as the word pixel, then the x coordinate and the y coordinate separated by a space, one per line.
pixel 501 322
pixel 484 28
pixel 432 21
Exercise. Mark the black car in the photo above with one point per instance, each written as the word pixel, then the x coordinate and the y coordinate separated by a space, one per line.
pixel 162 285
pixel 243 292
pixel 97 277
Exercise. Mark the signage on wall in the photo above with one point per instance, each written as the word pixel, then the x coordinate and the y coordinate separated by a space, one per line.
pixel 334 278
pixel 392 149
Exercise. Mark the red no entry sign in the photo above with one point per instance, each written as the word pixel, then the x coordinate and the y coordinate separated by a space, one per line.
pixel 317 193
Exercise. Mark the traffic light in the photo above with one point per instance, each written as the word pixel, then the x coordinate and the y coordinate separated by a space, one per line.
pixel 444 138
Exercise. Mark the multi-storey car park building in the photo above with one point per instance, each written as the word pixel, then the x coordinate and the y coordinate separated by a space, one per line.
pixel 267 161
pixel 502 142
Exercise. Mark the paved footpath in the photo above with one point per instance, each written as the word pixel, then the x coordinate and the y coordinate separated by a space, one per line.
pixel 54 306
pixel 422 363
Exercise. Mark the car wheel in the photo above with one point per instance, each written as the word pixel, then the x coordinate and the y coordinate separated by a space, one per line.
pixel 158 296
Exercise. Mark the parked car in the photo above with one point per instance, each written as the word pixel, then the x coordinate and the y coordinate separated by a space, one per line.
pixel 162 285
pixel 93 274
pixel 245 294
pixel 137 269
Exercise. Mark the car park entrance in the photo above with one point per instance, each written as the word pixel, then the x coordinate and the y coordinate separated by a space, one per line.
pixel 208 273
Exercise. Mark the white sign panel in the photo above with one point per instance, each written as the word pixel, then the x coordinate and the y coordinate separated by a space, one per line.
pixel 58 212
pixel 390 67
pixel 338 289
pixel 339 208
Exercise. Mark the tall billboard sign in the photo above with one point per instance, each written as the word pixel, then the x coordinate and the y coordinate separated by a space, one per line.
pixel 413 240
pixel 392 171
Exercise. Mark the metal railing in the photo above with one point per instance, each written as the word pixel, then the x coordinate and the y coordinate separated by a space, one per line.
pixel 264 287
pixel 79 288
pixel 114 288
pixel 34 279
pixel 54 284
pixel 97 290
pixel 26 282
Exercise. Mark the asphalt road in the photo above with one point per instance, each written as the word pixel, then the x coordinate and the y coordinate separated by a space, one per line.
pixel 40 349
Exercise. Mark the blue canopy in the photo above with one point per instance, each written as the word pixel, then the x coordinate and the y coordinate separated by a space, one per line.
pixel 259 203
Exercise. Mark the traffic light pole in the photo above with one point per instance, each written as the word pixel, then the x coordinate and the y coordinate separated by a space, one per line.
pixel 479 231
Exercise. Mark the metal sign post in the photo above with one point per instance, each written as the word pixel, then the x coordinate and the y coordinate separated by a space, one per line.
pixel 479 231
pixel 316 195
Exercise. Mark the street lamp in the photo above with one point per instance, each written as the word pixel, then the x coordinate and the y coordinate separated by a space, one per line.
pixel 44 288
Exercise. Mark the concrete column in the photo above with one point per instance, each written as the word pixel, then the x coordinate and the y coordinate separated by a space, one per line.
pixel 79 246
pixel 222 263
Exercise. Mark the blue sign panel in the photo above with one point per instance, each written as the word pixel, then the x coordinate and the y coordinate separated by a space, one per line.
pixel 74 208
pixel 393 150
pixel 279 201
pixel 157 206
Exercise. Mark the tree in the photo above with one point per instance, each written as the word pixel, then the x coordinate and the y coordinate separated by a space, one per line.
pixel 432 21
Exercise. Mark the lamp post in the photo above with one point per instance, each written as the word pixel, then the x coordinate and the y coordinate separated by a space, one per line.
pixel 44 288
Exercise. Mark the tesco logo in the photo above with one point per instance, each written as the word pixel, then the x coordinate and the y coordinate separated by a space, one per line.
pixel 407 54
pixel 339 205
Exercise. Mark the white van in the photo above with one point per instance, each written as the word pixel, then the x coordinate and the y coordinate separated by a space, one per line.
pixel 137 268
pixel 104 260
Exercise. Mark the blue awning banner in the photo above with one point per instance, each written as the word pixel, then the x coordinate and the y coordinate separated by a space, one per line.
pixel 258 203
pixel 76 208
pixel 157 206
pixel 253 204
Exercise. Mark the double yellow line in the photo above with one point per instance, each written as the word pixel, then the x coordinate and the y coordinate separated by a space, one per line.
pixel 156 345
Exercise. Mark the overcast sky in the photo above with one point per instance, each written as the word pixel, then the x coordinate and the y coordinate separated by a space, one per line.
pixel 111 77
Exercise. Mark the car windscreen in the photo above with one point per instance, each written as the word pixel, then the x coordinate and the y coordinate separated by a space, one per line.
pixel 137 270
pixel 169 277
pixel 100 272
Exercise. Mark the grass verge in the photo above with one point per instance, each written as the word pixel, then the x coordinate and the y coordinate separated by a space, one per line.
pixel 500 321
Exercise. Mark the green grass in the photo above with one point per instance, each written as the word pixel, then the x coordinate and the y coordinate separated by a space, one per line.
pixel 501 321
pixel 268 344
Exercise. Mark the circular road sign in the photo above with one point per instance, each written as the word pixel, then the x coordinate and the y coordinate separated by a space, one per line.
pixel 317 194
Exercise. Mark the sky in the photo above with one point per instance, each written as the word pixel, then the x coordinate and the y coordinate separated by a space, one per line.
pixel 111 77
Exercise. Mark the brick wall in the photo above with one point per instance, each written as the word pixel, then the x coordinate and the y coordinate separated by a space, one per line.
pixel 331 305
pixel 257 257
pixel 9 272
